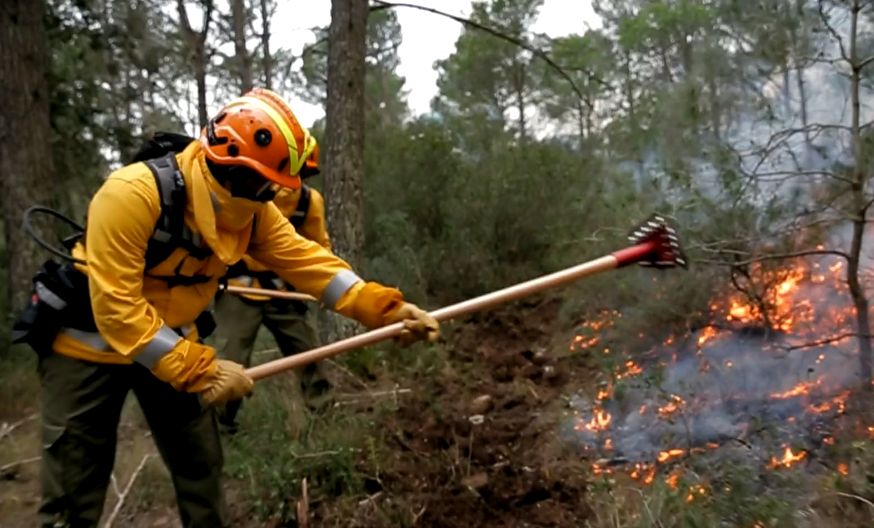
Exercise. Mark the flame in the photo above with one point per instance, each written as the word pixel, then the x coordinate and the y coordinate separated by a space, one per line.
pixel 780 300
pixel 672 406
pixel 708 333
pixel 600 421
pixel 789 458
pixel 631 369
pixel 802 388
pixel 695 490
pixel 673 480
pixel 598 469
pixel 839 403
pixel 664 456
pixel 588 331
pixel 843 469
pixel 643 472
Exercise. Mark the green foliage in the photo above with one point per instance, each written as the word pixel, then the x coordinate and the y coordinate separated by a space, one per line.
pixel 276 448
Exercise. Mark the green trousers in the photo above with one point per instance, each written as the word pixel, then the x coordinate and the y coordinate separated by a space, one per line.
pixel 81 408
pixel 292 326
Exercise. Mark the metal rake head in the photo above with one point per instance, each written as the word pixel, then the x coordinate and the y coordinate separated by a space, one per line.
pixel 669 252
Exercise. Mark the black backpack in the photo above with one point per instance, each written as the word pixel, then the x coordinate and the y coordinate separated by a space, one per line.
pixel 159 155
pixel 60 297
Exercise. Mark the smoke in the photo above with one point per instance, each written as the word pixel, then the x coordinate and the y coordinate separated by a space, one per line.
pixel 735 379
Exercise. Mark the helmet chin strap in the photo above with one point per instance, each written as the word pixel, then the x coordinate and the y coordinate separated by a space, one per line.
pixel 243 182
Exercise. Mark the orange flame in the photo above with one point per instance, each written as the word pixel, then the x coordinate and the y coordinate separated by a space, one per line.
pixel 843 469
pixel 708 333
pixel 789 458
pixel 671 407
pixel 673 480
pixel 802 388
pixel 664 456
pixel 696 490
pixel 631 369
pixel 600 421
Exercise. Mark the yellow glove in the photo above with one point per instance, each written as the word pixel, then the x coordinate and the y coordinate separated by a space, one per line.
pixel 187 367
pixel 192 367
pixel 230 383
pixel 418 324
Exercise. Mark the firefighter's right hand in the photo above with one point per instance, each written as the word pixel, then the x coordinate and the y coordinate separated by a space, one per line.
pixel 193 367
pixel 229 383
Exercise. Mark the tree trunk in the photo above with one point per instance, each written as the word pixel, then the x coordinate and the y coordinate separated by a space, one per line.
pixel 344 134
pixel 200 80
pixel 196 41
pixel 266 54
pixel 241 54
pixel 860 206
pixel 25 136
pixel 519 88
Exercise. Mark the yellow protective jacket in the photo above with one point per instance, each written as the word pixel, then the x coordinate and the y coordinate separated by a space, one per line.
pixel 136 313
pixel 314 228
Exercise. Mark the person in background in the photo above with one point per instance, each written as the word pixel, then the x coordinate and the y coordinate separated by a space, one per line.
pixel 291 322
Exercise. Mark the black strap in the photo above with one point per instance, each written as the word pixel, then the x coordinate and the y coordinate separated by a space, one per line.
pixel 299 216
pixel 170 229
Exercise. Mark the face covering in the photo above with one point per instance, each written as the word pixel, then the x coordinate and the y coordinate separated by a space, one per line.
pixel 224 221
pixel 243 182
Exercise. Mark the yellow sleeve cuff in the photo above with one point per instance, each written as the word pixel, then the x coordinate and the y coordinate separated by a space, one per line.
pixel 369 303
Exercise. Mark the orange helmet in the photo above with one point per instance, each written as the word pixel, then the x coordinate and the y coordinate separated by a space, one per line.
pixel 259 131
pixel 311 165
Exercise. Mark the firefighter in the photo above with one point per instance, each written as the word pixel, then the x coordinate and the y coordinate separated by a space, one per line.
pixel 159 236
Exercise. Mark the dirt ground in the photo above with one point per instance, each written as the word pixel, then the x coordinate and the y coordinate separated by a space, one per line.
pixel 480 444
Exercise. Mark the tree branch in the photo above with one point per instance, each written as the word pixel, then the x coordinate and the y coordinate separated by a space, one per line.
pixel 503 36
pixel 824 17
pixel 820 342
pixel 774 256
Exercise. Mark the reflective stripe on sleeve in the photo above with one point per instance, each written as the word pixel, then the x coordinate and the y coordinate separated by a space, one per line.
pixel 338 286
pixel 163 342
pixel 92 339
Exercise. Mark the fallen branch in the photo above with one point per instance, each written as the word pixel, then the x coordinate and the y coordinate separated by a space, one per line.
pixel 11 465
pixel 419 515
pixel 370 499
pixel 302 509
pixel 7 428
pixel 858 498
pixel 323 453
pixel 123 495
pixel 352 398
pixel 349 373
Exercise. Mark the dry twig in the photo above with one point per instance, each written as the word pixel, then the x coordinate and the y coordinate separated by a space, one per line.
pixel 7 428
pixel 858 498
pixel 303 505
pixel 11 465
pixel 123 495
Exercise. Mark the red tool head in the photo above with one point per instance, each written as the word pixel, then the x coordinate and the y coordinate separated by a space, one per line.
pixel 667 252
